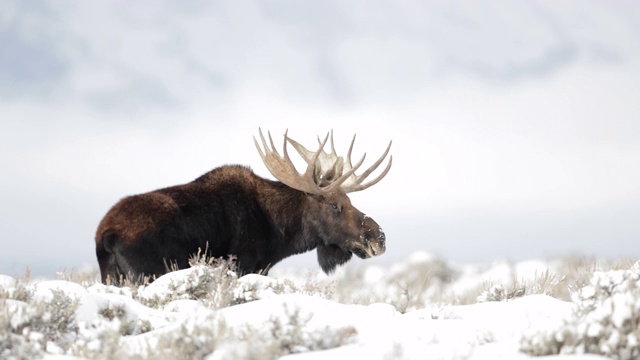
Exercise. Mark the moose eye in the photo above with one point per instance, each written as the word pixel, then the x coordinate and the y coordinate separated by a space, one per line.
pixel 335 207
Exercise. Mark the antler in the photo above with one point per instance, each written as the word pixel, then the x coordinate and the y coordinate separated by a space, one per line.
pixel 354 183
pixel 325 172
pixel 327 166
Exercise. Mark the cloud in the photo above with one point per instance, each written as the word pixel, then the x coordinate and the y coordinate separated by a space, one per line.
pixel 170 55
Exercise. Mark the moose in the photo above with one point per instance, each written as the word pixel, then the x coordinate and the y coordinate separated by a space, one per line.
pixel 231 211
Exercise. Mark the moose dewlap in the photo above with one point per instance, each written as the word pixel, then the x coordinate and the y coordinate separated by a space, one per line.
pixel 232 211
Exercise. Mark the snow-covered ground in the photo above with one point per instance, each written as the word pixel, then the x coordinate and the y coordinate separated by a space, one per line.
pixel 421 308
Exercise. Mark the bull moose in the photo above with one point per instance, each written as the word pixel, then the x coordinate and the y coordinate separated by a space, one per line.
pixel 230 211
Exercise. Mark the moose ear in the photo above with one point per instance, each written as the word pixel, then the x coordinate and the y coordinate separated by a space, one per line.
pixel 330 256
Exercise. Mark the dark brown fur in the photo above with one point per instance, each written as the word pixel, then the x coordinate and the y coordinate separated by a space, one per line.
pixel 231 211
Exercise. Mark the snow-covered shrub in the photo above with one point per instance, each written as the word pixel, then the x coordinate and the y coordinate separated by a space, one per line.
pixel 543 283
pixel 118 312
pixel 253 287
pixel 29 328
pixel 497 292
pixel 13 344
pixel 85 277
pixel 211 281
pixel 192 339
pixel 206 311
pixel 288 334
pixel 605 319
pixel 285 332
pixel 407 286
pixel 16 289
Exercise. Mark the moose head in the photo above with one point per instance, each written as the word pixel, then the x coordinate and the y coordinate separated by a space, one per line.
pixel 339 228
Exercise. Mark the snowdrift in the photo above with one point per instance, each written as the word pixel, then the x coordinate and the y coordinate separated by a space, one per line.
pixel 422 308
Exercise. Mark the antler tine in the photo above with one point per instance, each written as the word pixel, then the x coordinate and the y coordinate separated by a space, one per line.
pixel 357 182
pixel 270 151
pixel 258 147
pixel 350 149
pixel 339 181
pixel 375 165
pixel 312 161
pixel 374 181
pixel 320 142
pixel 285 153
pixel 264 144
pixel 273 146
pixel 306 154
pixel 333 149
pixel 317 154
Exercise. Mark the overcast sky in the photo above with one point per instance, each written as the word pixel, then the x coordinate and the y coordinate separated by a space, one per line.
pixel 515 124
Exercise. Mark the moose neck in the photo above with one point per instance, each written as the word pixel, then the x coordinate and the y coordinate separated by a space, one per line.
pixel 286 207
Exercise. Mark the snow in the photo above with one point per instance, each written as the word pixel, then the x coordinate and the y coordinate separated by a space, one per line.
pixel 208 312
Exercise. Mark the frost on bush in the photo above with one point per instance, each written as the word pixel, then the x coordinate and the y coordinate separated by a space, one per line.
pixel 28 329
pixel 409 285
pixel 11 288
pixel 542 283
pixel 212 282
pixel 605 319
pixel 289 334
pixel 118 314
pixel 253 287
pixel 209 336
pixel 193 339
pixel 497 292
pixel 285 333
